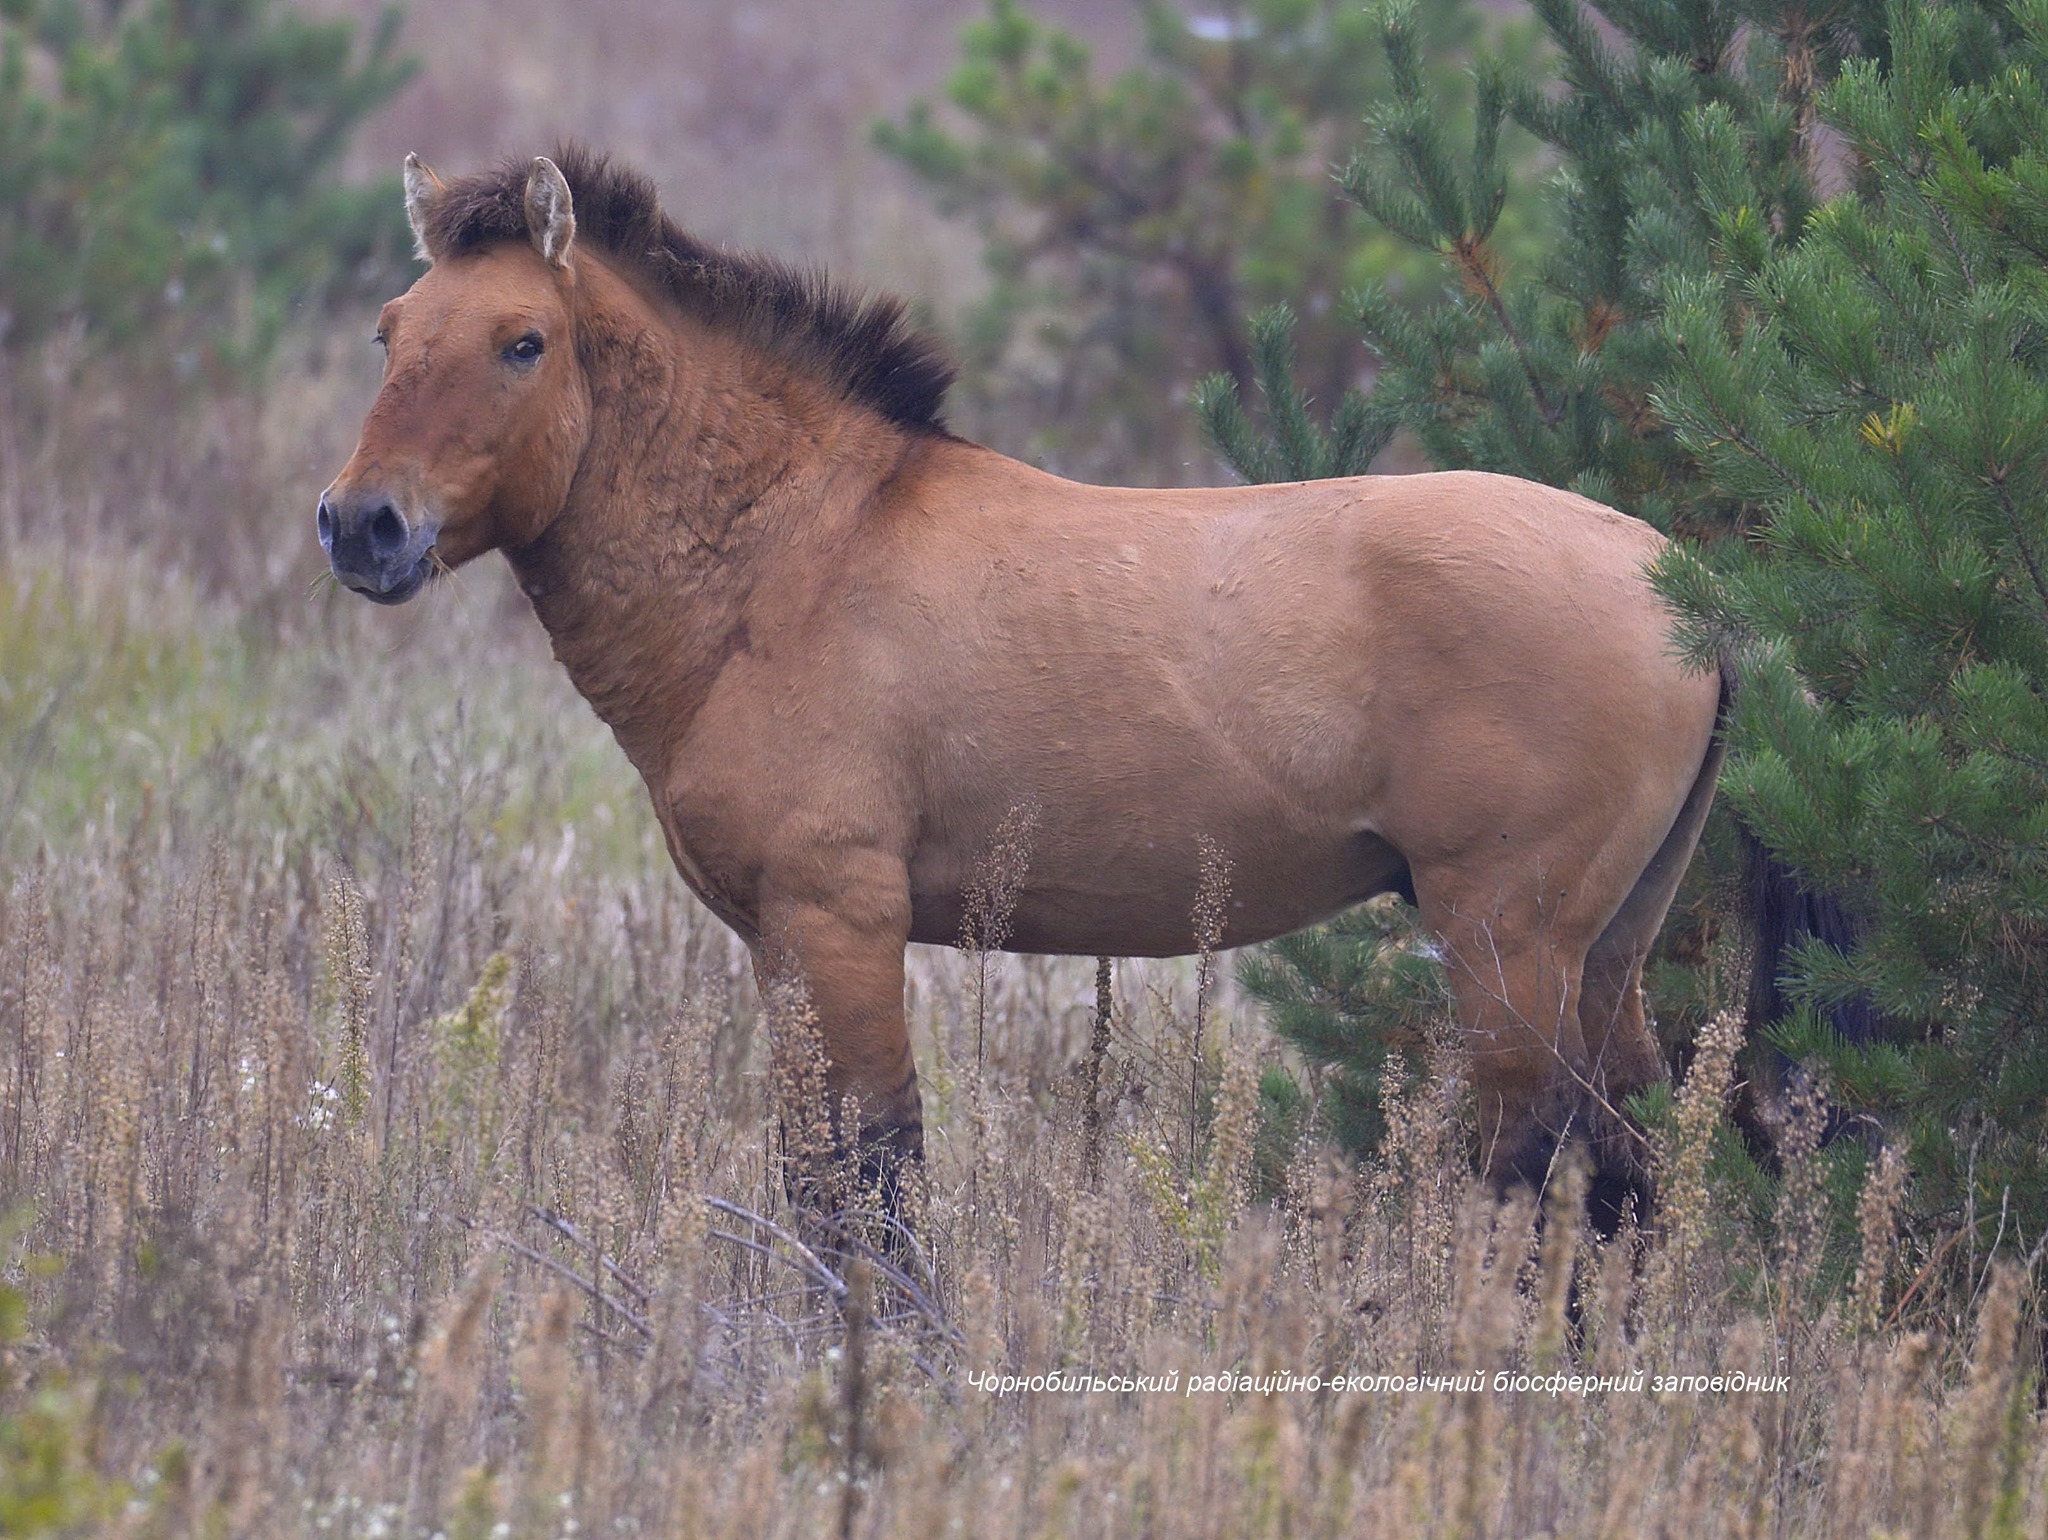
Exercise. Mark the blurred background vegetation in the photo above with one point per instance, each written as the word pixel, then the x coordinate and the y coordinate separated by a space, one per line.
pixel 1132 221
pixel 170 187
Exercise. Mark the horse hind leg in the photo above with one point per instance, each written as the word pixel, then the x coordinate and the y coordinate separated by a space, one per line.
pixel 1544 953
pixel 1623 1052
pixel 1515 971
pixel 1623 1059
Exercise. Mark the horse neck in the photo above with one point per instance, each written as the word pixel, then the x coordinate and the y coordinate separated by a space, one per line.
pixel 713 480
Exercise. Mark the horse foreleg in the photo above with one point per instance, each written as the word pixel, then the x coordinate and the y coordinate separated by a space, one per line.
pixel 835 930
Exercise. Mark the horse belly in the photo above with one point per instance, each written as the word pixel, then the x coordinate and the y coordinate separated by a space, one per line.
pixel 1132 891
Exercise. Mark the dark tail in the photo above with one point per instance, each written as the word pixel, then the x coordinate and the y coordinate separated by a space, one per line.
pixel 1784 913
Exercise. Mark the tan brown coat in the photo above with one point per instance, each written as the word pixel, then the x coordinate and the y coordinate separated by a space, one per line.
pixel 841 645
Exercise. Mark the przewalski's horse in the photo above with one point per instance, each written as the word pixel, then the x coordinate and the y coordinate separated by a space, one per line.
pixel 840 645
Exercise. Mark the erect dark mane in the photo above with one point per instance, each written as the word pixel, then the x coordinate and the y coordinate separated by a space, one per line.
pixel 865 344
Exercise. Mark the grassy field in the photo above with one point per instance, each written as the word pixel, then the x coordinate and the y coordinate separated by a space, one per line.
pixel 366 1075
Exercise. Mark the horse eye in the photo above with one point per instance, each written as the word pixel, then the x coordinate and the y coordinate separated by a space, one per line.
pixel 526 349
pixel 382 341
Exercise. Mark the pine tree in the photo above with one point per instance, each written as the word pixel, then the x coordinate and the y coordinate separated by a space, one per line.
pixel 1544 368
pixel 1130 223
pixel 1879 389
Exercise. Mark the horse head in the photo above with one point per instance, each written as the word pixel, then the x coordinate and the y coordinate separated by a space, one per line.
pixel 483 413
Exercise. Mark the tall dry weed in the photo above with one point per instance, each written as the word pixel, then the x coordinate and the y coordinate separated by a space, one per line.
pixel 991 906
pixel 1681 1271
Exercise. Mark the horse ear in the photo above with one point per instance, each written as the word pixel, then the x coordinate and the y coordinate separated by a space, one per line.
pixel 422 191
pixel 550 212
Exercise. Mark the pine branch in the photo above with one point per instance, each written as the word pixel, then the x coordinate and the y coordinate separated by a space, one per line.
pixel 1294 448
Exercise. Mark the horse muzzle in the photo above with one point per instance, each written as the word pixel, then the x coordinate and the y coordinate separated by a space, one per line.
pixel 373 548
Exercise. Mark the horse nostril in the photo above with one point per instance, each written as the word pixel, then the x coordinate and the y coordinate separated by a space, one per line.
pixel 387 530
pixel 326 524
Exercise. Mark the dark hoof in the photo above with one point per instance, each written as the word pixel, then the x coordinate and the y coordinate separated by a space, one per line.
pixel 1614 1194
pixel 1620 1182
pixel 891 1165
pixel 882 1169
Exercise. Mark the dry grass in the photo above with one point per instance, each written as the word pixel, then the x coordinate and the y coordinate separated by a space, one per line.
pixel 366 1075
